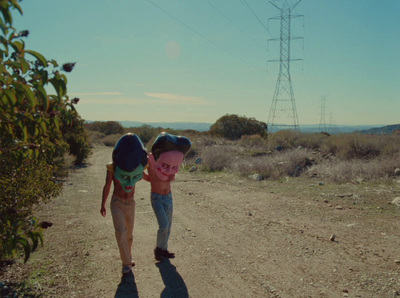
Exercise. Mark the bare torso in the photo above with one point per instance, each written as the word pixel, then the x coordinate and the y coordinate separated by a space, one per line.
pixel 158 186
pixel 120 192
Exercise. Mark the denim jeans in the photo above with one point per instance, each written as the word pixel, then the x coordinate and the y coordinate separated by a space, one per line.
pixel 123 215
pixel 163 208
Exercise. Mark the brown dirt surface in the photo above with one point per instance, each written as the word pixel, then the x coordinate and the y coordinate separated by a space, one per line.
pixel 233 237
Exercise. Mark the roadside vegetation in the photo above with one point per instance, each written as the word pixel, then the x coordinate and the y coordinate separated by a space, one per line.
pixel 337 158
pixel 41 135
pixel 242 146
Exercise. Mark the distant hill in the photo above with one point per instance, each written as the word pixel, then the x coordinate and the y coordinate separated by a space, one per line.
pixel 384 130
pixel 364 129
pixel 331 129
pixel 199 126
pixel 310 128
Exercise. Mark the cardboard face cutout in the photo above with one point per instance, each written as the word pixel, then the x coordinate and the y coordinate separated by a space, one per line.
pixel 130 158
pixel 166 142
pixel 128 179
pixel 167 165
pixel 167 154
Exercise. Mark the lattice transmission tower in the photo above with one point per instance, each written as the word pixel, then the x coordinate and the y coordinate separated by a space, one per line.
pixel 322 123
pixel 283 113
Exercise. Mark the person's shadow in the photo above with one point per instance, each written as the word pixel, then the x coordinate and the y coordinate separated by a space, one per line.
pixel 173 281
pixel 127 287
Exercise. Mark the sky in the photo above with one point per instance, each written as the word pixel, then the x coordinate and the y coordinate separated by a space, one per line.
pixel 198 60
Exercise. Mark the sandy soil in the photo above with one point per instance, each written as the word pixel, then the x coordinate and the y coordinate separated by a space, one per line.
pixel 232 237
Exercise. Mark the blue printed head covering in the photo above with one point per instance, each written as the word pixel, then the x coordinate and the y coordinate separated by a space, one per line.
pixel 129 152
pixel 167 142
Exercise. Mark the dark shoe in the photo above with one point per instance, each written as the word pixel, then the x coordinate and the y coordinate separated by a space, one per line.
pixel 158 253
pixel 168 255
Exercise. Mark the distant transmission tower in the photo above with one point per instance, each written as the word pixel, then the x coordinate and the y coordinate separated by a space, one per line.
pixel 283 108
pixel 322 122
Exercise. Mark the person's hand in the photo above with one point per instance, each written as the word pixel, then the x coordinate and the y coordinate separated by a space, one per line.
pixel 103 211
pixel 171 178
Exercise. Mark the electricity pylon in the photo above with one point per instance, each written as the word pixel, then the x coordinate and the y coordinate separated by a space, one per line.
pixel 322 122
pixel 283 108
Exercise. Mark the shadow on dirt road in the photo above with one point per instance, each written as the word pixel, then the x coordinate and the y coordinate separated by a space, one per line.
pixel 174 284
pixel 127 287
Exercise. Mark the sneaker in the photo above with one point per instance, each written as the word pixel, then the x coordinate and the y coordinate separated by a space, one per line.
pixel 126 269
pixel 168 255
pixel 158 254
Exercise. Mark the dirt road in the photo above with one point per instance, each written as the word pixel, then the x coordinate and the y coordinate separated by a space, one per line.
pixel 232 238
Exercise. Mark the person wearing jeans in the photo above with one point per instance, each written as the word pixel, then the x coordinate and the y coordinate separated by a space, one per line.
pixel 167 154
pixel 163 209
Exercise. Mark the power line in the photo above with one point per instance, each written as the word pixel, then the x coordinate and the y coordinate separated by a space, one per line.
pixel 254 14
pixel 204 37
pixel 237 27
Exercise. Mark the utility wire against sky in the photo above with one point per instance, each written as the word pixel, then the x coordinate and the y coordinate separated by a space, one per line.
pixel 255 15
pixel 221 13
pixel 204 37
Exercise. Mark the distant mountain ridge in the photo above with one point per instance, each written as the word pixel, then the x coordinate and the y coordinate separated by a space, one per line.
pixel 384 130
pixel 199 126
pixel 307 128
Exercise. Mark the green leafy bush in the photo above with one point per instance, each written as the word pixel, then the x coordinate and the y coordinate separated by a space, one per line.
pixel 76 136
pixel 107 128
pixel 233 127
pixel 146 132
pixel 36 129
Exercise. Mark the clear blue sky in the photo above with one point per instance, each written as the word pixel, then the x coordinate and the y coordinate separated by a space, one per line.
pixel 197 60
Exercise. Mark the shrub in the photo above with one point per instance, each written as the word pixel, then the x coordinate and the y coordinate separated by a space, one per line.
pixel 33 128
pixel 389 144
pixel 107 128
pixel 337 158
pixel 284 139
pixel 217 158
pixel 344 171
pixel 254 141
pixel 111 140
pixel 95 137
pixel 273 166
pixel 76 136
pixel 349 146
pixel 145 132
pixel 18 229
pixel 233 127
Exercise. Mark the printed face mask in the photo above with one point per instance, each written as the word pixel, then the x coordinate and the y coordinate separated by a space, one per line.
pixel 129 179
pixel 167 165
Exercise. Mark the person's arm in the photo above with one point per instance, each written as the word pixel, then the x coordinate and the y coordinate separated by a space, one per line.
pixel 146 176
pixel 106 192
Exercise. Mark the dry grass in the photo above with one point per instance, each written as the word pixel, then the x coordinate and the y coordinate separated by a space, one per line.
pixel 338 158
pixel 356 170
pixel 100 138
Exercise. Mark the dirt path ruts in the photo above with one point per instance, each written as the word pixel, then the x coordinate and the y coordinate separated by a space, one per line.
pixel 231 239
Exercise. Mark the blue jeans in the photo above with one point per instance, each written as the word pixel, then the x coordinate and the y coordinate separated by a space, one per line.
pixel 163 207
